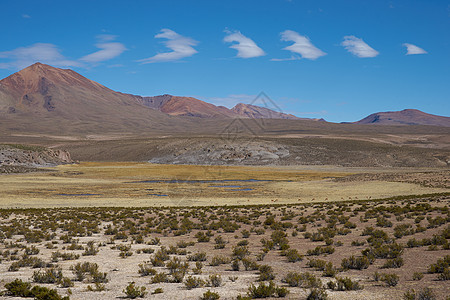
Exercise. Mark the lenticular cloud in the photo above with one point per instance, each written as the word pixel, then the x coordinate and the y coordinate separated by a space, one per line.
pixel 358 47
pixel 302 45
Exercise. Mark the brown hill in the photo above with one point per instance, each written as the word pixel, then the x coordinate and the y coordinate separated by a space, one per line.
pixel 61 100
pixel 186 106
pixel 258 112
pixel 405 117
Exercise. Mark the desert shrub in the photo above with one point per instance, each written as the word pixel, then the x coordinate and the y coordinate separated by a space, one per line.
pixel 411 243
pixel 146 270
pixel 266 291
pixel 384 251
pixel 194 282
pixel 158 291
pixel 393 263
pixel 358 243
pixel 305 280
pixel 215 280
pixel 198 267
pixel 50 275
pixel 440 265
pixel 90 249
pixel 318 264
pixel 445 275
pixel 175 264
pixel 403 230
pixel 160 277
pixel 199 256
pixel 417 276
pixel 317 294
pixel 31 250
pixel 346 284
pixel 28 261
pixel 178 276
pixel 202 237
pixel 265 273
pixel 219 260
pixel 356 263
pixel 240 252
pixel 132 291
pixel 98 287
pixel 261 256
pixel 208 295
pixel 219 242
pixel 44 293
pixel 75 246
pixel 390 279
pixel 329 270
pixel 184 244
pixel 64 256
pixel 18 288
pixel 424 294
pixel 65 282
pixel 155 241
pixel 245 233
pixel 242 243
pixel 383 222
pixel 293 256
pixel 249 264
pixel 147 250
pixel 320 250
pixel 90 271
pixel 260 231
pixel 281 291
pixel 235 265
pixel 279 238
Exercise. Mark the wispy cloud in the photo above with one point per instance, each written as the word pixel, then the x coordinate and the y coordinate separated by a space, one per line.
pixel 302 45
pixel 413 49
pixel 246 47
pixel 25 16
pixel 181 47
pixel 358 47
pixel 293 57
pixel 109 49
pixel 22 57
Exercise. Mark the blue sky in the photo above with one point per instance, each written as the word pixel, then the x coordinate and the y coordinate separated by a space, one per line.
pixel 340 60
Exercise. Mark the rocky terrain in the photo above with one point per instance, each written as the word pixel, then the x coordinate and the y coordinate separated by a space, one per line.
pixel 21 159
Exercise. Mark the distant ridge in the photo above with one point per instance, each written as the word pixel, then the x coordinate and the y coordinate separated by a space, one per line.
pixel 41 92
pixel 45 99
pixel 192 107
pixel 405 117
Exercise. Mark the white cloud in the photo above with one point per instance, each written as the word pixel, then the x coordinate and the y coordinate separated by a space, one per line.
pixel 181 47
pixel 413 49
pixel 108 50
pixel 293 57
pixel 302 45
pixel 22 57
pixel 246 47
pixel 358 47
pixel 25 16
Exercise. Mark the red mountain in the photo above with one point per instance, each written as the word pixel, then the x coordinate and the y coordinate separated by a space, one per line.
pixel 44 96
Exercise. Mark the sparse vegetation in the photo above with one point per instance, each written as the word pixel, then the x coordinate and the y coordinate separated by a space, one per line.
pixel 206 247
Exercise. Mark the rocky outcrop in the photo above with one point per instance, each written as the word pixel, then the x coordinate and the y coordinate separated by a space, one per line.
pixel 31 156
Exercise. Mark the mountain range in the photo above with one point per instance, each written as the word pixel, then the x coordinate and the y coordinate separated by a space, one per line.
pixel 44 97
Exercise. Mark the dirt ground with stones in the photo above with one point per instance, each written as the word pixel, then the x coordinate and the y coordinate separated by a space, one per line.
pixel 283 237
